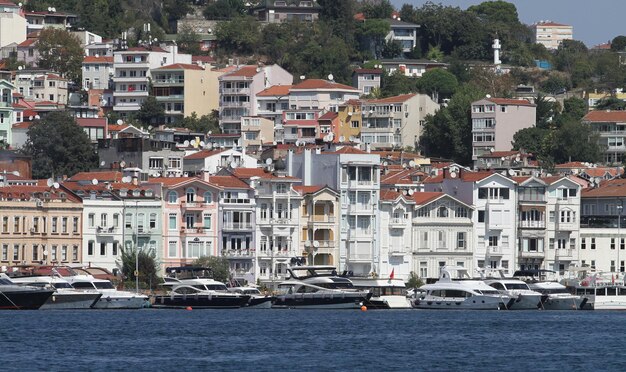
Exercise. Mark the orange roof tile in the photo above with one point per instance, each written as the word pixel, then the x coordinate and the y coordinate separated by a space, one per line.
pixel 203 154
pixel 303 190
pixel 422 198
pixel 330 115
pixel 244 71
pixel 117 127
pixel 608 189
pixel 180 66
pixel 389 195
pixel 347 150
pixel 172 181
pixel 229 182
pixel 99 59
pixel 571 164
pixel 602 116
pixel 101 176
pixel 246 173
pixel 321 84
pixel 512 102
pixel 275 90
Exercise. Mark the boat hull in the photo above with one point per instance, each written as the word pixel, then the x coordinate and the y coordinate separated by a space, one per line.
pixel 471 303
pixel 607 302
pixel 388 302
pixel 200 301
pixel 564 303
pixel 264 302
pixel 78 300
pixel 315 301
pixel 112 302
pixel 526 302
pixel 23 300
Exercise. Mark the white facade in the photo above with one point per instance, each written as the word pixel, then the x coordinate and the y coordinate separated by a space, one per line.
pixel 97 71
pixel 12 25
pixel 103 233
pixel 396 246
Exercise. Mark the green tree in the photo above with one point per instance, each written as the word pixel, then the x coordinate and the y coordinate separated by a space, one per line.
pixel 396 83
pixel 381 9
pixel 188 41
pixel 434 53
pixel 224 9
pixel 240 35
pixel 438 83
pixel 575 141
pixel 392 49
pixel 546 111
pixel 555 83
pixel 618 44
pixel 176 9
pixel 575 107
pixel 151 112
pixel 148 267
pixel 58 146
pixel 611 103
pixel 218 265
pixel 371 36
pixel 531 140
pixel 202 124
pixel 61 51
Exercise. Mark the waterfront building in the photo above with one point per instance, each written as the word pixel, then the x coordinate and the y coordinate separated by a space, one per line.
pixel 190 216
pixel 355 175
pixel 238 91
pixel 319 224
pixel 395 122
pixel 396 212
pixel 610 125
pixel 183 89
pixel 39 224
pixel 603 226
pixel 133 68
pixel 548 211
pixel 551 34
pixel 212 161
pixel 494 199
pixel 496 120
pixel 441 232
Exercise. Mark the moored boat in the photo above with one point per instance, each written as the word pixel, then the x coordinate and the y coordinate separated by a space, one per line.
pixel 386 293
pixel 15 297
pixel 65 296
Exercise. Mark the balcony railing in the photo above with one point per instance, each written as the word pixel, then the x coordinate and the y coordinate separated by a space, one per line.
pixel 532 224
pixel 397 222
pixel 237 226
pixel 532 254
pixel 238 252
pixel 105 230
pixel 235 201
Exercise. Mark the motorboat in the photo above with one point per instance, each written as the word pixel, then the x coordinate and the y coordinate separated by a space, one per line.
pixel 555 295
pixel 604 291
pixel 461 293
pixel 386 293
pixel 195 287
pixel 525 298
pixel 65 296
pixel 318 287
pixel 16 297
pixel 257 300
pixel 111 298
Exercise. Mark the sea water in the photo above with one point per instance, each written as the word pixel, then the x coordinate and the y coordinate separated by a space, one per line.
pixel 307 340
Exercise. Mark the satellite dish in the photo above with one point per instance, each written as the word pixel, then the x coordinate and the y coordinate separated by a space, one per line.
pixel 233 164
pixel 37 117
pixel 411 191
pixel 186 143
pixel 412 163
pixel 120 121
pixel 575 171
pixel 126 179
pixel 330 77
pixel 122 164
pixel 307 244
pixel 274 143
pixel 316 244
pixel 511 172
pixel 269 161
pixel 385 163
pixel 209 133
pixel 302 77
pixel 351 138
pixel 103 163
pixel 20 67
pixel 342 139
pixel 518 158
pixel 404 165
pixel 488 96
pixel 598 180
pixel 94 181
pixel 50 182
pixel 202 144
pixel 30 118
pixel 55 185
pixel 503 158
pixel 453 174
pixel 492 150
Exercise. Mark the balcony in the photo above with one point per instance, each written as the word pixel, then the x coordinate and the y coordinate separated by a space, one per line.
pixel 360 183
pixel 398 251
pixel 390 130
pixel 232 253
pixel 236 201
pixel 238 91
pixel 171 97
pixel 168 82
pixel 320 219
pixel 130 93
pixel 125 64
pixel 564 253
pixel 397 223
pixel 130 79
pixel 282 221
pixel 360 208
pixel 193 205
pixel 233 118
pixel 192 230
pixel 105 230
pixel 528 224
pixel 237 226
pixel 359 257
pixel 142 231
pixel 494 250
pixel 235 104
pixel 532 254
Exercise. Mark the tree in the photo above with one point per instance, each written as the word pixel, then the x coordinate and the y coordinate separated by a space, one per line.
pixel 188 41
pixel 218 265
pixel 618 44
pixel 176 9
pixel 61 51
pixel 414 281
pixel 58 146
pixel 546 111
pixel 610 103
pixel 575 107
pixel 148 266
pixel 392 49
pixel 555 83
pixel 438 83
pixel 224 9
pixel 396 83
pixel 434 53
pixel 202 124
pixel 371 36
pixel 531 140
pixel 151 112
pixel 575 141
pixel 381 9
pixel 240 35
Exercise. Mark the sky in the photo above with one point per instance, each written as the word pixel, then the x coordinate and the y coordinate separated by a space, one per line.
pixel 594 22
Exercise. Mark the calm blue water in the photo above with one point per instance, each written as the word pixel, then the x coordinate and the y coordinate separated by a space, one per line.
pixel 312 340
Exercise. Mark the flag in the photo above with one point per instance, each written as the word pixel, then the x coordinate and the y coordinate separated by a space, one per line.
pixel 392 273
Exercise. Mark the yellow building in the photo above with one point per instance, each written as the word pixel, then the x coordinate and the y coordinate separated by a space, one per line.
pixel 319 224
pixel 183 89
pixel 39 224
pixel 349 114
pixel 595 97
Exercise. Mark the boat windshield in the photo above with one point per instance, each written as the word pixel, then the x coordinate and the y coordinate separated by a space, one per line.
pixel 211 287
pixel 61 285
pixel 488 292
pixel 104 285
pixel 251 291
pixel 334 285
pixel 510 286
pixel 83 285
pixel 387 291
pixel 448 293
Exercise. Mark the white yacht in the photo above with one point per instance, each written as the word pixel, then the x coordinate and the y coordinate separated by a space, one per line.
pixel 318 287
pixel 464 294
pixel 65 296
pixel 386 293
pixel 605 291
pixel 525 298
pixel 111 297
pixel 257 300
pixel 195 287
pixel 557 297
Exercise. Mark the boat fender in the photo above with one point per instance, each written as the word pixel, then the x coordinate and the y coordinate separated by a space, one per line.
pixel 54 298
pixel 109 299
pixel 519 298
pixel 210 296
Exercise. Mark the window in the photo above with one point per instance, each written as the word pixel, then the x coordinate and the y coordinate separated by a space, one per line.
pixel 281 188
pixel 103 220
pixel 208 197
pixel 5 252
pixel 35 252
pixel 114 248
pixel 493 241
pixel 442 212
pixel 206 221
pixel 91 219
pixel 53 253
pixel 460 240
pixel 190 195
pixel 621 244
pixel 461 212
pixel 153 222
pixel 172 248
pixel 172 221
pixel 481 216
pixel 493 193
pixel 172 197
pixel 116 219
pixel 140 222
pixel 354 124
pixel 90 247
pixel 64 253
pixel 423 269
pixel 612 244
pixel 583 243
pixel 593 245
pixel 74 253
pixel 74 224
pixel 567 216
pixel 103 249
pixel 53 227
pixel 551 217
pixel 16 224
pixel 16 252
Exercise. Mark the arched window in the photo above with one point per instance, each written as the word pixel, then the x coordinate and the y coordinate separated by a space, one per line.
pixel 172 197
pixel 191 195
pixel 208 197
pixel 442 212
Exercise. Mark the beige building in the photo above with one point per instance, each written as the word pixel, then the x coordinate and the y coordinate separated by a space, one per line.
pixel 255 131
pixel 41 85
pixel 12 24
pixel 186 88
pixel 319 224
pixel 496 120
pixel 39 224
pixel 552 34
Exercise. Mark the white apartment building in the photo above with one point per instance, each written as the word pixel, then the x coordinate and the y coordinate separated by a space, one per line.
pixel 318 94
pixel 12 24
pixel 396 212
pixel 404 33
pixel 552 34
pixel 132 68
pixel 355 175
pixel 212 161
pixel 41 85
pixel 97 72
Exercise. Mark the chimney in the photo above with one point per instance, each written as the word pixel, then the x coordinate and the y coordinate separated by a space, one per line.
pixel 368 148
pixel 205 174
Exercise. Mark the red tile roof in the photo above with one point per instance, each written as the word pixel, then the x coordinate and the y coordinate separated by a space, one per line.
pixel 465 176
pixel 27 43
pixel 246 173
pixel 368 71
pixel 601 116
pixel 203 59
pixel 91 122
pixel 117 127
pixel 228 182
pixel 203 154
pixel 275 90
pixel 330 115
pixel 144 49
pixel 608 189
pixel 422 198
pixel 172 181
pixel 347 150
pixel 99 59
pixel 101 176
pixel 303 190
pixel 29 192
pixel 244 71
pixel 321 84
pixel 403 176
pixel 389 195
pixel 511 102
pixel 180 66
pixel 572 164
pixel 395 99
pixel 22 125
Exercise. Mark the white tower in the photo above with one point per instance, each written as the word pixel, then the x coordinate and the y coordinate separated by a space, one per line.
pixel 496 51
